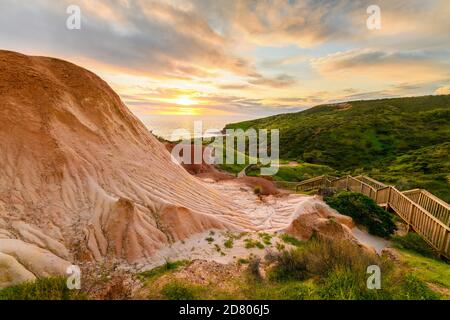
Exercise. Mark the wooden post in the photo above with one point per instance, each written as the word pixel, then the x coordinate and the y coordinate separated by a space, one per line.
pixel 409 216
pixel 443 243
pixel 389 196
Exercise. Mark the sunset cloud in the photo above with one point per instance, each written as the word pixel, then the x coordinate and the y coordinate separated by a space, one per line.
pixel 251 57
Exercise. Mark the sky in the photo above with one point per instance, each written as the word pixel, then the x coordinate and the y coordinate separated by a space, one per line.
pixel 247 58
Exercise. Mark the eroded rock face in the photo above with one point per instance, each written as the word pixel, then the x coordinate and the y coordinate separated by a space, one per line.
pixel 315 218
pixel 81 178
pixel 12 272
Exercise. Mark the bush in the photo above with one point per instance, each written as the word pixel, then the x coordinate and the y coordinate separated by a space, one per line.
pixel 319 258
pixel 364 211
pixel 42 289
pixel 412 241
pixel 253 268
pixel 290 265
pixel 228 244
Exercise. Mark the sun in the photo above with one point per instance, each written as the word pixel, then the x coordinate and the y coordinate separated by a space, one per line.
pixel 185 101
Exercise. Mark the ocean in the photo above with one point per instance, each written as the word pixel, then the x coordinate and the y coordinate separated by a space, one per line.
pixel 165 125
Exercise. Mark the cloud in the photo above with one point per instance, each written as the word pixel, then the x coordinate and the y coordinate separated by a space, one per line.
pixel 443 90
pixel 233 86
pixel 376 64
pixel 281 81
pixel 142 37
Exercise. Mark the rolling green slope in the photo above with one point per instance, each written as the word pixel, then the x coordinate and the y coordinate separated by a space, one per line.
pixel 404 141
pixel 362 133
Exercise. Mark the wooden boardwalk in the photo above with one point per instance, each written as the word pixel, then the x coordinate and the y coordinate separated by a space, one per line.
pixel 423 212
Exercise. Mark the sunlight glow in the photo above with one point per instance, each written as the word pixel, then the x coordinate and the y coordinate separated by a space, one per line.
pixel 185 101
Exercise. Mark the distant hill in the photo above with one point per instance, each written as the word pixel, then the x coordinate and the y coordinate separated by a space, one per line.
pixel 361 133
pixel 367 135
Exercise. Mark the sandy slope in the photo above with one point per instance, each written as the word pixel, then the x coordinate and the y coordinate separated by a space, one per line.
pixel 82 179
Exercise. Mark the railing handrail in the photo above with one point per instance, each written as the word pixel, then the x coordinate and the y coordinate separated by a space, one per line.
pixel 436 233
pixel 434 198
pixel 421 208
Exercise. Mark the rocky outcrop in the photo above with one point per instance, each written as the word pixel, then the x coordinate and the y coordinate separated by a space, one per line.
pixel 81 178
pixel 315 218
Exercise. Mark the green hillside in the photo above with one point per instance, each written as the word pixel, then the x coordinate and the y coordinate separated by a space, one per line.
pixel 402 140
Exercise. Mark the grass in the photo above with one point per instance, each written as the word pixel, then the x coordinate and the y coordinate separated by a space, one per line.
pixel 251 243
pixel 402 141
pixel 177 290
pixel 42 289
pixel 291 240
pixel 228 243
pixel 165 268
pixel 427 269
pixel 296 173
pixel 413 242
pixel 364 211
pixel 266 238
pixel 320 269
pixel 209 240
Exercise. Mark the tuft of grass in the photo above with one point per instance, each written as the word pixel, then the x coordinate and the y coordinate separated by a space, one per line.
pixel 42 289
pixel 158 271
pixel 291 240
pixel 250 243
pixel 219 249
pixel 364 211
pixel 209 240
pixel 228 244
pixel 266 238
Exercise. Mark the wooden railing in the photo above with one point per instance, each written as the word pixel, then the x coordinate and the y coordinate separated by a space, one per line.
pixel 437 207
pixel 311 184
pixel 423 212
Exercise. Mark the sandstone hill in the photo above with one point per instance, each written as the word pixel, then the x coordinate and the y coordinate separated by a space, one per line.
pixel 82 178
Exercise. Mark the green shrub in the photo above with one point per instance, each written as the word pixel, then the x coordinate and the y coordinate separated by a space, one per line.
pixel 412 241
pixel 319 258
pixel 228 244
pixel 253 268
pixel 209 239
pixel 364 211
pixel 42 289
pixel 250 243
pixel 290 265
pixel 266 238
